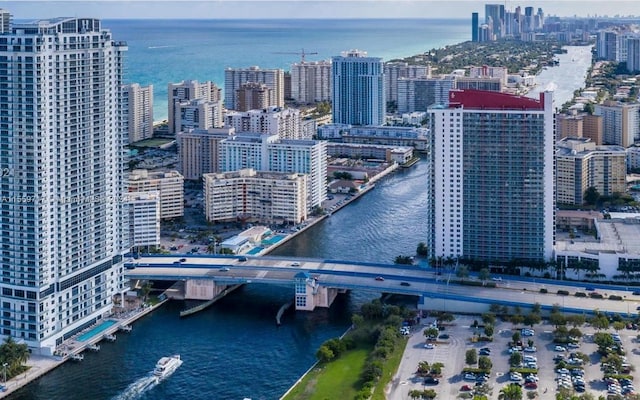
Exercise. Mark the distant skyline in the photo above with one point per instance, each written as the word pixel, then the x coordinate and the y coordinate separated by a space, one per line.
pixel 266 9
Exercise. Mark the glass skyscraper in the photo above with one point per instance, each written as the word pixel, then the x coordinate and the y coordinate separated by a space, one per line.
pixel 63 127
pixel 358 89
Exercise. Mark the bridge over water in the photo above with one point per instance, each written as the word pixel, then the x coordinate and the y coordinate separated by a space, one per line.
pixel 316 283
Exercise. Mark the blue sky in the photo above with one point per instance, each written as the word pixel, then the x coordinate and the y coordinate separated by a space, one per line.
pixel 250 9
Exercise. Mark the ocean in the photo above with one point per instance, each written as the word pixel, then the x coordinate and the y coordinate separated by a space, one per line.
pixel 169 51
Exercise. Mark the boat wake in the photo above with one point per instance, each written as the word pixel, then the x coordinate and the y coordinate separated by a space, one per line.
pixel 138 388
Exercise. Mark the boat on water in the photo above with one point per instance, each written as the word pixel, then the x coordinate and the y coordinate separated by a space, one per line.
pixel 167 366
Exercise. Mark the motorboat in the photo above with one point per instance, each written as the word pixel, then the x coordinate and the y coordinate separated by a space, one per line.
pixel 167 366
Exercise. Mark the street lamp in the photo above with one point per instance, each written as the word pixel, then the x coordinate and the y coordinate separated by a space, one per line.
pixel 4 366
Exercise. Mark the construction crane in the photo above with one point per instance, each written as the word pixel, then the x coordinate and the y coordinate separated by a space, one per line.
pixel 302 53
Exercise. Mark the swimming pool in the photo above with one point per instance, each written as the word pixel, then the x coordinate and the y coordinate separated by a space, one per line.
pixel 273 240
pixel 98 329
pixel 255 251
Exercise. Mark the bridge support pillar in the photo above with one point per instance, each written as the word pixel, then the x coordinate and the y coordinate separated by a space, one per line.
pixel 310 294
pixel 202 289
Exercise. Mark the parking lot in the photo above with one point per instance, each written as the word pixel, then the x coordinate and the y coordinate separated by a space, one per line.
pixel 451 352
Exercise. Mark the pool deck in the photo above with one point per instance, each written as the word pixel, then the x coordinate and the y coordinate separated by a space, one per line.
pixel 40 365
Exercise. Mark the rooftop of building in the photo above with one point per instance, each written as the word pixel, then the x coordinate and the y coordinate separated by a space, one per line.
pixel 367 145
pixel 143 174
pixel 582 147
pixel 487 100
pixel 250 173
pixel 621 235
pixel 578 214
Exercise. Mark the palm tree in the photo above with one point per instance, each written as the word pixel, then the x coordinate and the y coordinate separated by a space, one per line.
pixel 146 288
pixel 510 392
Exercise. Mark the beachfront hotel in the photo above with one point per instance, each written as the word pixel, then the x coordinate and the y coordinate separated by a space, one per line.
pixel 357 89
pixel 266 197
pixel 64 225
pixel 491 180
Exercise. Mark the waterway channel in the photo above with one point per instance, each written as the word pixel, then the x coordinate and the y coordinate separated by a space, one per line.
pixel 234 349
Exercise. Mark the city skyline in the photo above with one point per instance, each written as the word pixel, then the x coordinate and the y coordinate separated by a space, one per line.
pixel 299 9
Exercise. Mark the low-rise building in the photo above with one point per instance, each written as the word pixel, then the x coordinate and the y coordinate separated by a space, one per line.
pixel 170 185
pixel 383 135
pixel 396 154
pixel 248 195
pixel 614 255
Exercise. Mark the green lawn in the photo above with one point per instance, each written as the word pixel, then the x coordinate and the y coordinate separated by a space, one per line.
pixel 338 379
pixel 389 369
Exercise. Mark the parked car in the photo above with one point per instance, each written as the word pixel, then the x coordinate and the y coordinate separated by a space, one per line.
pixel 224 269
pixel 429 346
pixel 444 336
pixel 560 348
pixel 242 259
pixel 466 388
pixel 531 349
pixel 405 284
pixel 429 380
pixel 531 385
pixel 379 278
pixel 469 377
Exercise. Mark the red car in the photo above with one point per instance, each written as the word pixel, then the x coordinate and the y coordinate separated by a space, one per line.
pixel 530 385
pixel 466 388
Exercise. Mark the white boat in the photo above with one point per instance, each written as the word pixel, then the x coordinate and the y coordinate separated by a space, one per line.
pixel 125 328
pixel 167 366
pixel 76 357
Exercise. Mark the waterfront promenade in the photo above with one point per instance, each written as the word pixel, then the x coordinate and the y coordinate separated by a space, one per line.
pixel 40 365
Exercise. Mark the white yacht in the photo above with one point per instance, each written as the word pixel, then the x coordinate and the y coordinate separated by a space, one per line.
pixel 167 366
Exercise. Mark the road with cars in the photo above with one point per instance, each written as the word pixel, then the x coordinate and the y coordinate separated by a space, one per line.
pixel 380 278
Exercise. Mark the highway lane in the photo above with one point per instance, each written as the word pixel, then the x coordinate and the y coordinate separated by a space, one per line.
pixel 362 277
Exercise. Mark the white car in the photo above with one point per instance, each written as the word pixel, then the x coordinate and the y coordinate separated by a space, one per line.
pixel 430 346
pixel 469 377
pixel 560 348
pixel 531 349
